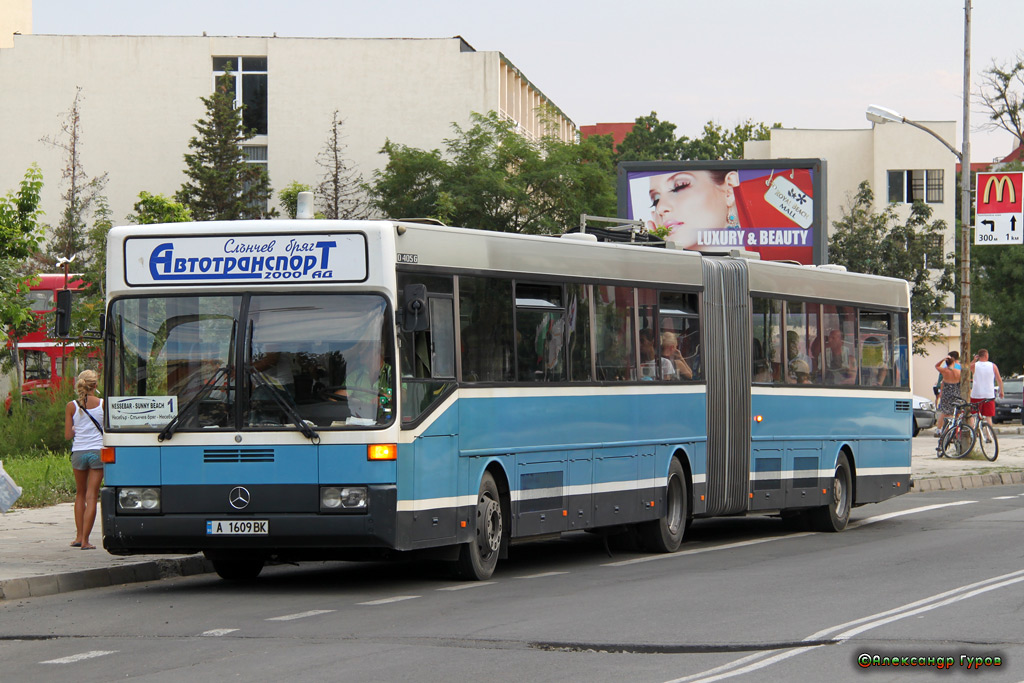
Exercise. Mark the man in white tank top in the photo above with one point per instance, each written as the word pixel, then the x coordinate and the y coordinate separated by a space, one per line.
pixel 985 376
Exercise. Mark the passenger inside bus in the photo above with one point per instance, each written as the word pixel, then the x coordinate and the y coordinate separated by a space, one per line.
pixel 839 362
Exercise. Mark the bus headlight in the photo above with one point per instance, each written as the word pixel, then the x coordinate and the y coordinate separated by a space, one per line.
pixel 343 498
pixel 139 499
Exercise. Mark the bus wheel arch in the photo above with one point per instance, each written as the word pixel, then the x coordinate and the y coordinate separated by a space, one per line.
pixel 665 534
pixel 835 514
pixel 479 556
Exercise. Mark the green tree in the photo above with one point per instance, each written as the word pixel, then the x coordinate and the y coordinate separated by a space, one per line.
pixel 289 197
pixel 717 142
pixel 881 243
pixel 650 140
pixel 20 237
pixel 221 185
pixel 156 208
pixel 492 178
pixel 654 140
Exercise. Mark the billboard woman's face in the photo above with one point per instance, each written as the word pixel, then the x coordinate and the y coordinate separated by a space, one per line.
pixel 688 201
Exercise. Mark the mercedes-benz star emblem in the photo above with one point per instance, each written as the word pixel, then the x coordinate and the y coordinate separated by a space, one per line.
pixel 239 497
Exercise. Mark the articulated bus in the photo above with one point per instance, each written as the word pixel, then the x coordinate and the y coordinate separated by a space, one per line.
pixel 295 390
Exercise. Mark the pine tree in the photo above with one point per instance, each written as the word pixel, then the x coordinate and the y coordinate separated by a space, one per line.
pixel 340 193
pixel 221 185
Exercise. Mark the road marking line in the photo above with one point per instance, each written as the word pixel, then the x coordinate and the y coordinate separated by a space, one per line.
pixel 740 544
pixel 1004 497
pixel 385 601
pixel 901 513
pixel 301 615
pixel 698 551
pixel 750 663
pixel 541 575
pixel 213 633
pixel 79 657
pixel 464 586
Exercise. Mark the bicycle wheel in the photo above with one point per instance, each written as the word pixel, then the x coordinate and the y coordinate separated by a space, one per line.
pixel 988 441
pixel 957 441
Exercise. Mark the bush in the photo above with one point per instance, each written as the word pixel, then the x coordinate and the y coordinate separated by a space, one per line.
pixel 44 477
pixel 36 424
pixel 34 450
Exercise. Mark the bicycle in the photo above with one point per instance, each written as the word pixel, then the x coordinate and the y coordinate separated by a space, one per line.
pixel 987 440
pixel 957 436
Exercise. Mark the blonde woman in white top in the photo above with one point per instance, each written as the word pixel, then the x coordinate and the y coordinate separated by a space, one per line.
pixel 82 422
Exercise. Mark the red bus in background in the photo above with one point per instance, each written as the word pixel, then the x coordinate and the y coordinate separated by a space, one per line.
pixel 44 357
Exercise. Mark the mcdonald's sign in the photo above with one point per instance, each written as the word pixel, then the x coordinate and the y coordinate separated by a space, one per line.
pixel 1000 219
pixel 999 192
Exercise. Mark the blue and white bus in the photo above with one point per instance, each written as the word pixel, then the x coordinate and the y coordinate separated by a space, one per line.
pixel 290 390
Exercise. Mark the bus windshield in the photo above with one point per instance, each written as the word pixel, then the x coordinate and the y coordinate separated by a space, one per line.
pixel 250 362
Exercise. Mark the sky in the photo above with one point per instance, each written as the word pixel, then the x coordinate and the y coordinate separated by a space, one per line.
pixel 801 63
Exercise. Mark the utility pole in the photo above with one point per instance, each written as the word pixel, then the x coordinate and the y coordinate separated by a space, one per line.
pixel 965 216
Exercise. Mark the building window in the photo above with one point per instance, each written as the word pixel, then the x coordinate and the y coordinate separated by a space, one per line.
pixel 249 87
pixel 933 188
pixel 916 186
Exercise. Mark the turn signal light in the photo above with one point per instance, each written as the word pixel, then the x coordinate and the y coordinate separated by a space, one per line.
pixel 758 418
pixel 382 451
pixel 107 455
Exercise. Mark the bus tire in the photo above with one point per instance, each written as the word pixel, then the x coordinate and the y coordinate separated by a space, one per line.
pixel 478 558
pixel 664 535
pixel 236 568
pixel 835 515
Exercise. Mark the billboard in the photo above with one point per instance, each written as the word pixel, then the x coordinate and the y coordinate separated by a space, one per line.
pixel 775 207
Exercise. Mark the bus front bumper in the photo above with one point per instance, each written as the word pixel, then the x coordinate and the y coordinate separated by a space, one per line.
pixel 308 534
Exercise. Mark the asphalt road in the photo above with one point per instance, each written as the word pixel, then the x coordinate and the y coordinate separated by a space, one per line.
pixel 928 575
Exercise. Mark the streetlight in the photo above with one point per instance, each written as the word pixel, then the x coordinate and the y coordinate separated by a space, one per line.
pixel 881 115
pixel 877 114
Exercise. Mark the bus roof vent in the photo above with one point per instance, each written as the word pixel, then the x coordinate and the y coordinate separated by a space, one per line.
pixel 304 206
pixel 834 267
pixel 579 236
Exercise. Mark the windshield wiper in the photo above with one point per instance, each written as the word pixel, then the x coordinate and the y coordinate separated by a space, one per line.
pixel 168 431
pixel 262 382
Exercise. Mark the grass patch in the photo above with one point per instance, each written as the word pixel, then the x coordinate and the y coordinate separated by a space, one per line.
pixel 45 478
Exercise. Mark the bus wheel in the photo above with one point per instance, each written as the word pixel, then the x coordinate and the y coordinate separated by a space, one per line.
pixel 238 568
pixel 835 515
pixel 478 558
pixel 664 535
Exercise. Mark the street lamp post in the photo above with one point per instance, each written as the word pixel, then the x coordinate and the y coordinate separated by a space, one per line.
pixel 879 114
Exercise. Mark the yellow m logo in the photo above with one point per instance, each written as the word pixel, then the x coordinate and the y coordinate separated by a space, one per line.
pixel 1000 182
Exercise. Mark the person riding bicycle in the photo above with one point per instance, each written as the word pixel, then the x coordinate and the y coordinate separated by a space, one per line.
pixel 983 388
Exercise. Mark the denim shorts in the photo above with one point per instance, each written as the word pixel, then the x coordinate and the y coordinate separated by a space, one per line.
pixel 86 460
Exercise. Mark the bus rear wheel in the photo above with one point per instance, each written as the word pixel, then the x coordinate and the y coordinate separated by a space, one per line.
pixel 835 515
pixel 236 568
pixel 664 535
pixel 478 558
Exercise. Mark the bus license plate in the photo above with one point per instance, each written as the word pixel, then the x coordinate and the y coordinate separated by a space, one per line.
pixel 237 527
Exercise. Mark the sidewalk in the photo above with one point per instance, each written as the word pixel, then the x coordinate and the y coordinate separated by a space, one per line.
pixel 35 558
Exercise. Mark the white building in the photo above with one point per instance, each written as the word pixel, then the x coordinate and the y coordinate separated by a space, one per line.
pixel 140 99
pixel 902 163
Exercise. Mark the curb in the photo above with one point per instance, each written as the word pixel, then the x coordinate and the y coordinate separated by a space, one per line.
pixel 35 586
pixel 970 481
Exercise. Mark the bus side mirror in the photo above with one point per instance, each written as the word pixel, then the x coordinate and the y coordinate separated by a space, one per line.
pixel 62 324
pixel 414 313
